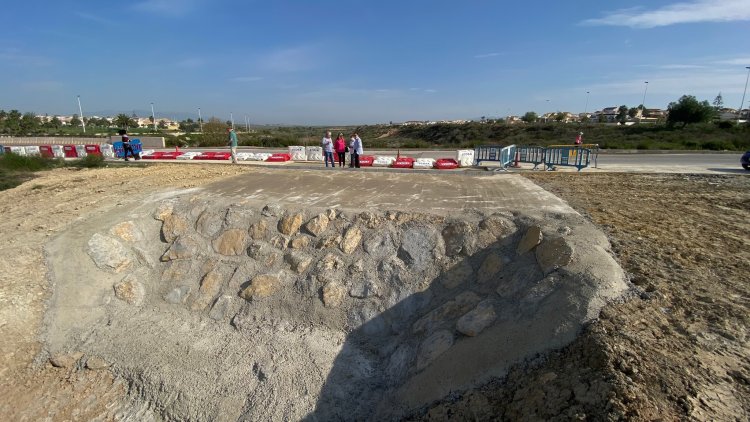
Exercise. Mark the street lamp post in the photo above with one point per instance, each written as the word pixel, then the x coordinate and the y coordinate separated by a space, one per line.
pixel 153 116
pixel 739 112
pixel 83 123
pixel 643 101
pixel 247 124
pixel 231 119
pixel 200 120
pixel 586 108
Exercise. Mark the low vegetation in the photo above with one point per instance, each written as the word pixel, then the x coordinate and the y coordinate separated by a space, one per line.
pixel 16 169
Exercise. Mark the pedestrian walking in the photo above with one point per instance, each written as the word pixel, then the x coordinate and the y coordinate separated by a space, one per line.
pixel 126 147
pixel 357 149
pixel 340 147
pixel 327 144
pixel 232 142
pixel 579 139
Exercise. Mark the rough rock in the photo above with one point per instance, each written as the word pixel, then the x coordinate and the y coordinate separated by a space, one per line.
pixel 163 211
pixel 173 226
pixel 539 290
pixel 328 241
pixel 261 286
pixel 290 224
pixel 209 224
pixel 299 261
pixel 333 294
pixel 370 219
pixel 445 312
pixel 399 363
pixel 237 216
pixel 460 273
pixel 434 346
pixel 459 238
pixel 178 295
pixel 331 214
pixel 221 308
pixel 529 241
pixel 95 363
pixel 279 242
pixel 184 247
pixel 490 267
pixel 392 271
pixel 65 360
pixel 554 253
pixel 210 286
pixel 176 271
pixel 231 242
pixel 272 210
pixel 109 254
pixel 130 290
pixel 264 253
pixel 350 241
pixel 317 225
pixel 419 246
pixel 479 318
pixel 300 242
pixel 258 230
pixel 364 288
pixel 330 262
pixel 127 231
pixel 494 228
pixel 379 246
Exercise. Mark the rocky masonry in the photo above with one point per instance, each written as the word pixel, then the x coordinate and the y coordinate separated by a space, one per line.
pixel 226 311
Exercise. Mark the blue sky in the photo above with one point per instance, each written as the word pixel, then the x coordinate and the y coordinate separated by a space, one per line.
pixel 349 62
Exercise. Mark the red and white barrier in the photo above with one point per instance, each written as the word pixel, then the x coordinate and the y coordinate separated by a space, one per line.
pixel 403 163
pixel 446 164
pixel 70 151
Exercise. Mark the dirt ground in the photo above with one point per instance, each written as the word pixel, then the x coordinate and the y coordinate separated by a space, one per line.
pixel 676 349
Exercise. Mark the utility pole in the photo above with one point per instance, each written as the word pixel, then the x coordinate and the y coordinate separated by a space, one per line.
pixel 643 102
pixel 231 119
pixel 247 124
pixel 83 123
pixel 200 120
pixel 739 112
pixel 153 116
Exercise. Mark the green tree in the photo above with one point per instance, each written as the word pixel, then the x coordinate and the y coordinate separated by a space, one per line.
pixel 122 120
pixel 75 121
pixel 718 102
pixel 162 124
pixel 622 114
pixel 689 110
pixel 632 112
pixel 29 123
pixel 530 117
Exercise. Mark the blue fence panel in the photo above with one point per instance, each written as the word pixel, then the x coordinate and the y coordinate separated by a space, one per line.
pixel 532 155
pixel 2 150
pixel 567 156
pixel 487 153
pixel 507 155
pixel 120 152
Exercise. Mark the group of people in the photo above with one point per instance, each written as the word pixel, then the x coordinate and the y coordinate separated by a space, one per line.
pixel 340 147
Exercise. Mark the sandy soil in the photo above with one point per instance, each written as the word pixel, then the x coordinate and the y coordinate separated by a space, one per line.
pixel 677 349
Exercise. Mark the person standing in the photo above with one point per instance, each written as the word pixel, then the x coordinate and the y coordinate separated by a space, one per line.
pixel 351 152
pixel 357 149
pixel 126 147
pixel 579 139
pixel 327 144
pixel 340 146
pixel 232 144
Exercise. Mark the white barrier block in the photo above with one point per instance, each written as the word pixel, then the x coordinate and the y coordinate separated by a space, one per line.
pixel 314 153
pixel 298 153
pixel 244 156
pixel 58 151
pixel 107 151
pixel 465 157
pixel 141 154
pixel 424 163
pixel 33 150
pixel 260 156
pixel 383 160
pixel 81 151
pixel 188 155
pixel 18 151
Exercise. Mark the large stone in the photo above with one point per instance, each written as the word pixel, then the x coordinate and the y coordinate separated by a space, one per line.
pixel 258 230
pixel 333 294
pixel 491 265
pixel 261 286
pixel 209 223
pixel 317 225
pixel 352 238
pixel 459 238
pixel 178 295
pixel 364 288
pixel 237 216
pixel 65 360
pixel 164 210
pixel 392 271
pixel 290 224
pixel 419 247
pixel 494 228
pixel 130 290
pixel 184 247
pixel 300 242
pixel 479 318
pixel 231 242
pixel 279 242
pixel 174 225
pixel 221 308
pixel 272 210
pixel 379 246
pixel 399 364
pixel 210 286
pixel 554 253
pixel 331 214
pixel 434 346
pixel 330 262
pixel 457 275
pixel 109 254
pixel 298 261
pixel 127 231
pixel 176 271
pixel 95 363
pixel 370 219
pixel 446 312
pixel 530 240
pixel 328 241
pixel 264 253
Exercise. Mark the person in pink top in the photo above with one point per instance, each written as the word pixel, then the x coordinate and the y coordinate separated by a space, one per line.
pixel 339 145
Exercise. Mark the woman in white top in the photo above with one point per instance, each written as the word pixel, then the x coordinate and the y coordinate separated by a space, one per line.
pixel 356 149
pixel 327 144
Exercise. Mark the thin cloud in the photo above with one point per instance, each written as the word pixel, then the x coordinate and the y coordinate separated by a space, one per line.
pixel 292 59
pixel 95 18
pixel 246 79
pixel 486 55
pixel 692 12
pixel 191 62
pixel 172 8
pixel 42 86
pixel 13 57
pixel 739 61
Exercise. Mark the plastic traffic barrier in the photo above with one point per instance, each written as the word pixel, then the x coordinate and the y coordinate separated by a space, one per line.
pixel 403 163
pixel 81 151
pixel 314 153
pixel 18 150
pixel 32 150
pixel 424 163
pixel 366 160
pixel 46 151
pixel 2 150
pixel 93 149
pixel 156 155
pixel 278 158
pixel 70 151
pixel 259 156
pixel 446 164
pixel 171 155
pixel 384 160
pixel 465 157
pixel 188 155
pixel 107 150
pixel 298 153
